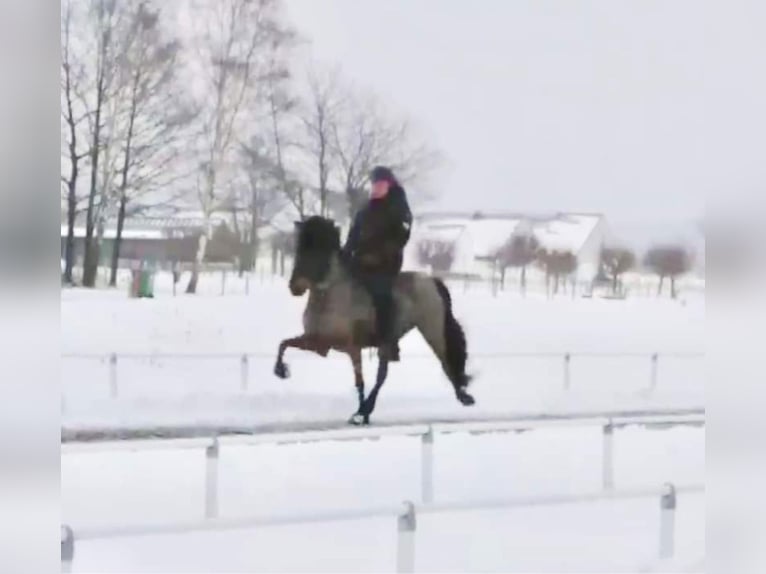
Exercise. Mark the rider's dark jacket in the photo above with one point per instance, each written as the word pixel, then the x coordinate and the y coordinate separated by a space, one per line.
pixel 378 234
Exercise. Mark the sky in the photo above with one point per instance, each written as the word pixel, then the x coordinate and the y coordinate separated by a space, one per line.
pixel 631 108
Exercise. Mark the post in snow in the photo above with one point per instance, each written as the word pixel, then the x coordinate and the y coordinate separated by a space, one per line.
pixel 211 479
pixel 244 372
pixel 405 545
pixel 653 379
pixel 67 548
pixel 113 375
pixel 667 521
pixel 608 456
pixel 427 465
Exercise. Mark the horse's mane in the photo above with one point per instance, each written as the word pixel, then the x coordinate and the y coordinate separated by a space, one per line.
pixel 318 233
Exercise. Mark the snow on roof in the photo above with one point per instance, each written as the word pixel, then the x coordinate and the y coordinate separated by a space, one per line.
pixel 447 231
pixel 489 235
pixel 111 233
pixel 567 232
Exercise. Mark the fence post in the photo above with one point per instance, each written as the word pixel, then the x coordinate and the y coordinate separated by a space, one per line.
pixel 211 479
pixel 113 375
pixel 608 456
pixel 244 372
pixel 405 540
pixel 567 381
pixel 427 465
pixel 247 282
pixel 667 522
pixel 223 282
pixel 653 379
pixel 67 548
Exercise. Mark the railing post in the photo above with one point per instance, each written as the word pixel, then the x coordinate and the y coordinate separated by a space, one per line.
pixel 211 479
pixel 427 465
pixel 608 456
pixel 67 548
pixel 653 376
pixel 667 522
pixel 113 375
pixel 244 372
pixel 567 376
pixel 405 540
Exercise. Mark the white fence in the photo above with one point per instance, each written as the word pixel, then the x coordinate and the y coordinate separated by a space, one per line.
pixel 405 514
pixel 653 361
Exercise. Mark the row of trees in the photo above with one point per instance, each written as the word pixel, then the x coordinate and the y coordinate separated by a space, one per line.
pixel 521 251
pixel 198 103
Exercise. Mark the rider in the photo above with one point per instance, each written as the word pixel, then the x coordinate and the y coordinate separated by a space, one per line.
pixel 374 246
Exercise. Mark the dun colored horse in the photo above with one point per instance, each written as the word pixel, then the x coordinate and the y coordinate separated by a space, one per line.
pixel 339 314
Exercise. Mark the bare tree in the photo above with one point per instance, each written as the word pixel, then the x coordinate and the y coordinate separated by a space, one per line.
pixel 364 135
pixel 615 261
pixel 668 261
pixel 105 20
pixel 319 116
pixel 518 251
pixel 234 48
pixel 283 119
pixel 558 264
pixel 72 117
pixel 439 255
pixel 154 118
pixel 259 198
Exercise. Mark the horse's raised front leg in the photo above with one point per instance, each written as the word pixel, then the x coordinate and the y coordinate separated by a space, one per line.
pixel 305 343
pixel 355 353
pixel 369 403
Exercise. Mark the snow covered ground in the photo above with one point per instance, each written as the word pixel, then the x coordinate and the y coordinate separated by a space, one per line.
pixel 204 390
pixel 158 485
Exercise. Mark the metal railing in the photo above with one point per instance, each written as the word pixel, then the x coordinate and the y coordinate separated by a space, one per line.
pixel 244 359
pixel 406 518
pixel 426 432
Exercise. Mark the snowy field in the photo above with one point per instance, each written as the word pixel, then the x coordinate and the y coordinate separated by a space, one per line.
pixel 516 351
pixel 158 486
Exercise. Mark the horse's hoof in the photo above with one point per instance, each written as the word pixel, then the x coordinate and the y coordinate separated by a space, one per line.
pixel 282 370
pixel 358 419
pixel 466 399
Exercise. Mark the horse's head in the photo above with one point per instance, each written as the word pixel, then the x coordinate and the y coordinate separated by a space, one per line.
pixel 318 240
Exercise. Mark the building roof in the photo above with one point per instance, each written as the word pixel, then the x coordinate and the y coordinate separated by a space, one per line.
pixel 568 232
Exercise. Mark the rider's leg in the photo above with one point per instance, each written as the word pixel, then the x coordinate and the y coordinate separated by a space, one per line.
pixel 385 313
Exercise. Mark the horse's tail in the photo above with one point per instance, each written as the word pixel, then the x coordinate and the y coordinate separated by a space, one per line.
pixel 455 344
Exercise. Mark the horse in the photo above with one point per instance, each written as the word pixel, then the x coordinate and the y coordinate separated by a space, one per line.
pixel 340 315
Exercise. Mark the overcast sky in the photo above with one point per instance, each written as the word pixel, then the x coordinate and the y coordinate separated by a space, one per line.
pixel 554 105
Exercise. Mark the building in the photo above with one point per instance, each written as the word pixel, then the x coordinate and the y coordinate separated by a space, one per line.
pixel 476 238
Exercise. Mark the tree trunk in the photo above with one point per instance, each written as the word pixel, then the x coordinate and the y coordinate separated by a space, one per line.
pixel 659 287
pixel 672 287
pixel 523 279
pixel 202 241
pixel 502 278
pixel 273 258
pixel 90 261
pixel 253 248
pixel 118 241
pixel 70 216
pixel 614 283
